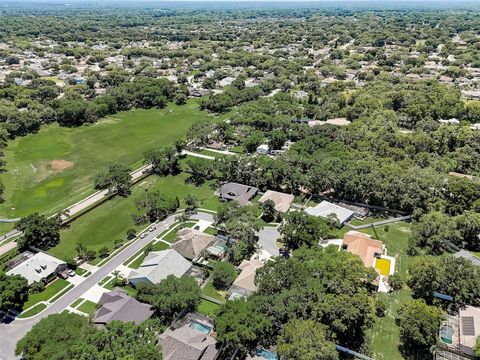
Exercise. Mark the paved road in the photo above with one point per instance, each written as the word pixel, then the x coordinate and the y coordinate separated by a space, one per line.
pixel 11 333
pixel 73 209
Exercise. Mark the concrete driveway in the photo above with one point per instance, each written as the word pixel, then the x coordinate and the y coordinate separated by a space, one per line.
pixel 267 240
pixel 12 332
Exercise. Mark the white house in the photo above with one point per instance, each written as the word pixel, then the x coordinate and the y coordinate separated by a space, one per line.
pixel 40 267
pixel 263 149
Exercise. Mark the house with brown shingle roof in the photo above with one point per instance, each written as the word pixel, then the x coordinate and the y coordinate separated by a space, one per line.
pixel 117 305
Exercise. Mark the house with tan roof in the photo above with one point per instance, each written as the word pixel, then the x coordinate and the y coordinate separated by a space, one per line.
pixel 244 284
pixel 282 201
pixel 190 243
pixel 362 245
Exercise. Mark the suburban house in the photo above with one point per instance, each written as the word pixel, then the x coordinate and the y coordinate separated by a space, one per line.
pixel 244 284
pixel 460 331
pixel 190 243
pixel 117 305
pixel 263 149
pixel 363 245
pixel 157 265
pixel 237 192
pixel 373 254
pixel 282 201
pixel 325 208
pixel 189 339
pixel 39 267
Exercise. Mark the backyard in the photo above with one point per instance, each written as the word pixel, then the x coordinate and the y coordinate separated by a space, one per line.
pixel 54 168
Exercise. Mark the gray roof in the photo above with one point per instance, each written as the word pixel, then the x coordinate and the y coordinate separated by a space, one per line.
pixel 469 256
pixel 326 208
pixel 158 265
pixel 117 305
pixel 239 192
pixel 187 343
pixel 37 268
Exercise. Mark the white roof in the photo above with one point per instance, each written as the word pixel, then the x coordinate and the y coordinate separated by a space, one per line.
pixel 37 268
pixel 159 264
pixel 326 208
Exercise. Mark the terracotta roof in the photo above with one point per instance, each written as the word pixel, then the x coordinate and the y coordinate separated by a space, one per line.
pixel 362 245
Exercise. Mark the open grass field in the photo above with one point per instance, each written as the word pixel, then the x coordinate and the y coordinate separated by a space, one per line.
pixel 54 168
pixel 110 221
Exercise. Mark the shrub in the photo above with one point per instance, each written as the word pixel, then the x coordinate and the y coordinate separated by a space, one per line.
pixel 71 263
pixel 395 282
pixel 91 254
pixel 36 287
pixel 103 252
pixel 380 308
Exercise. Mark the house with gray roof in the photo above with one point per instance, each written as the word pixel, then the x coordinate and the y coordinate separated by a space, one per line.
pixel 39 267
pixel 235 191
pixel 325 208
pixel 117 305
pixel 157 265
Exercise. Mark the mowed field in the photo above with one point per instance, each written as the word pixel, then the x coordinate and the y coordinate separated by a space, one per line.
pixel 54 168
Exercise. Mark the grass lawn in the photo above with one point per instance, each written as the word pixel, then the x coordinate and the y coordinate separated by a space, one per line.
pixel 33 311
pixel 110 221
pixel 208 308
pixel 88 307
pixel 51 290
pixel 76 302
pixel 211 231
pixel 384 337
pixel 129 289
pixel 80 271
pixel 155 247
pixel 209 290
pixel 55 167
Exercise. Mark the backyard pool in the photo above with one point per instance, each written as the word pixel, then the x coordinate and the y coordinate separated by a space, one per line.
pixel 266 354
pixel 205 329
pixel 446 334
pixel 383 266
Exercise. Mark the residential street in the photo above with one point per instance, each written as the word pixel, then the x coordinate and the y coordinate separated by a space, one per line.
pixel 11 333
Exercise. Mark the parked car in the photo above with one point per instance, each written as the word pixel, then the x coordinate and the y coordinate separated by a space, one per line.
pixel 197 227
pixel 143 235
pixel 70 272
pixel 62 275
pixel 153 227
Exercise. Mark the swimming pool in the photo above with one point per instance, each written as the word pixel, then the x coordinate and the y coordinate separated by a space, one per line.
pixel 266 354
pixel 205 329
pixel 446 334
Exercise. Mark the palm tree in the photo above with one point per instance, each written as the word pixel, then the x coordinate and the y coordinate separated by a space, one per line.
pixel 81 250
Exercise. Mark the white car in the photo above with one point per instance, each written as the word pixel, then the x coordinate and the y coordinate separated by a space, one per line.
pixel 143 235
pixel 70 272
pixel 153 227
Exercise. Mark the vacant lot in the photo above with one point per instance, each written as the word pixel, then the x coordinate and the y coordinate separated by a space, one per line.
pixel 55 168
pixel 110 221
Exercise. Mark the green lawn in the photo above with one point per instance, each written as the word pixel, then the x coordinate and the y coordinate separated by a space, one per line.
pixel 211 231
pixel 33 311
pixel 209 290
pixel 88 307
pixel 52 289
pixel 55 167
pixel 129 289
pixel 384 337
pixel 76 302
pixel 80 271
pixel 208 308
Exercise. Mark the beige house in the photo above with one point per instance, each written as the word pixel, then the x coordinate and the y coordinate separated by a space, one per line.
pixel 282 201
pixel 190 243
pixel 244 284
